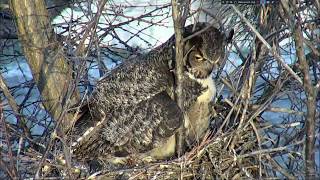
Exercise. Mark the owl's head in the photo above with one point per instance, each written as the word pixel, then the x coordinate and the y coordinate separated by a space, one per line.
pixel 205 50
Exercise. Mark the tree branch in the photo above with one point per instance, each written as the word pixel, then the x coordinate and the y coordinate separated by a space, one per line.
pixel 180 10
pixel 310 91
pixel 49 67
pixel 10 167
pixel 15 108
pixel 272 50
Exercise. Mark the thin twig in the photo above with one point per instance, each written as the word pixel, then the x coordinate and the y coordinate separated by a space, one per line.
pixel 272 50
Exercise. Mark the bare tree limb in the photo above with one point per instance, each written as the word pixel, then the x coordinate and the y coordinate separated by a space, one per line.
pixel 272 50
pixel 91 27
pixel 310 126
pixel 21 121
pixel 180 10
pixel 50 69
pixel 10 168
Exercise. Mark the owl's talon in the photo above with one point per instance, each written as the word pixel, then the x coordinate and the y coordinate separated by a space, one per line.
pixel 214 112
pixel 148 159
pixel 118 160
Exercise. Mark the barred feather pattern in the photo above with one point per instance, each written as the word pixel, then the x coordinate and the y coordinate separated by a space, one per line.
pixel 132 108
pixel 131 98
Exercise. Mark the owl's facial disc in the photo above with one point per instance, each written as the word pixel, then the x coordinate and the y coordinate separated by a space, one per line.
pixel 198 65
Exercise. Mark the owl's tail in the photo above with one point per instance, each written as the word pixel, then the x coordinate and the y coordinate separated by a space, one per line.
pixel 82 121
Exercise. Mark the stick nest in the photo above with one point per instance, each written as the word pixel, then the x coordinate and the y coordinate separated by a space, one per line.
pixel 227 151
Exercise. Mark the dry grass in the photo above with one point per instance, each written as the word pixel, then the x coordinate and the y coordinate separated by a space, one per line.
pixel 229 152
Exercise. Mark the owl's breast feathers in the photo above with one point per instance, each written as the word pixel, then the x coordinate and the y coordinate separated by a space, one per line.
pixel 199 112
pixel 205 96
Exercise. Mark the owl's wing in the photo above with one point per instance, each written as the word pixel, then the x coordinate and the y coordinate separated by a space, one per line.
pixel 138 126
pixel 136 129
pixel 133 82
pixel 126 86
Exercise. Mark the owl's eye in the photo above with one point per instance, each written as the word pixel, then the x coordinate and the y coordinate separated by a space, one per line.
pixel 199 57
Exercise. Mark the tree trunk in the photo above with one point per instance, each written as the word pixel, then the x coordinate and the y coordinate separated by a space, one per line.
pixel 44 56
pixel 180 11
pixel 310 91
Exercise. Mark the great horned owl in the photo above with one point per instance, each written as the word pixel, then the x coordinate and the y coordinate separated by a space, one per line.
pixel 132 109
pixel 207 53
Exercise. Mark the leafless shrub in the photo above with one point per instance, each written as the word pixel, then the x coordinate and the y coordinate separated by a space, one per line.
pixel 267 121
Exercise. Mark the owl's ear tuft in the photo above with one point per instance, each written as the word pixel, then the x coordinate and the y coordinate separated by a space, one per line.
pixel 196 41
pixel 193 43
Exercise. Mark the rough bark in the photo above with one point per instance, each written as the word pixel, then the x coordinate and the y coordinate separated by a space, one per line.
pixel 310 90
pixel 44 55
pixel 7 26
pixel 179 13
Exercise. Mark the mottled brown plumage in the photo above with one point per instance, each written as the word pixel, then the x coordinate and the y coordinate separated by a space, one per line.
pixel 132 109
